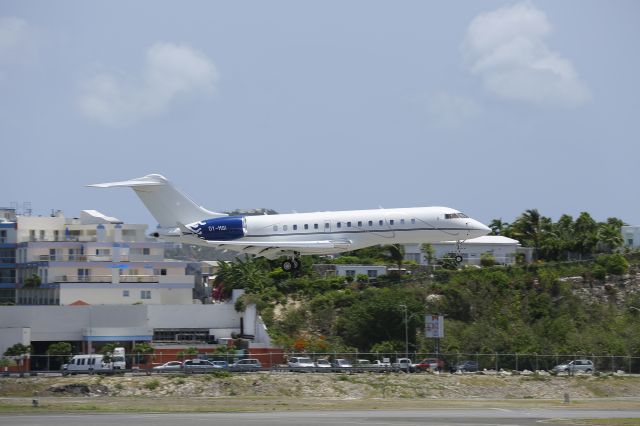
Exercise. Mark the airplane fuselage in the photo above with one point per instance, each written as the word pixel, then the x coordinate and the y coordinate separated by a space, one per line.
pixel 357 228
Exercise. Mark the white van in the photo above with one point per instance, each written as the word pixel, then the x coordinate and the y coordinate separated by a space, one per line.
pixel 87 364
pixel 118 359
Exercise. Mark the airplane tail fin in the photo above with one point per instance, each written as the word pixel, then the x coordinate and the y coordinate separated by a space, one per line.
pixel 168 206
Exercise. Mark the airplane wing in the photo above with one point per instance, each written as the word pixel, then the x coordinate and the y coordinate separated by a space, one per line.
pixel 269 248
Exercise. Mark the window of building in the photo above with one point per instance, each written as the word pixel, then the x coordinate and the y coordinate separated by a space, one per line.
pixel 339 225
pixel 83 275
pixel 146 251
pixel 350 273
pixel 348 224
pixel 145 294
pixel 391 222
pixel 42 235
pixel 380 222
pixel 315 226
pixel 359 223
pixel 306 226
pixel 630 242
pixel 125 293
pixel 326 225
pixel 370 223
pixel 372 273
pixel 295 227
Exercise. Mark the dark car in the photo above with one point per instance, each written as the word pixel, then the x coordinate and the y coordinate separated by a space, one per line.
pixel 465 366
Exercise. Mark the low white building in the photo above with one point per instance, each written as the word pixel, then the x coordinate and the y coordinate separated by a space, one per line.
pixel 503 250
pixel 631 236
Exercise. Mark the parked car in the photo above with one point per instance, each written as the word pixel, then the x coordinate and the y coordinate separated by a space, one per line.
pixel 466 366
pixel 583 365
pixel 385 363
pixel 405 364
pixel 363 365
pixel 248 364
pixel 198 366
pixel 300 363
pixel 168 366
pixel 220 364
pixel 322 364
pixel 430 364
pixel 341 365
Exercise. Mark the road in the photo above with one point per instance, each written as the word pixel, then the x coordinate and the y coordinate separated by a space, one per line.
pixel 440 417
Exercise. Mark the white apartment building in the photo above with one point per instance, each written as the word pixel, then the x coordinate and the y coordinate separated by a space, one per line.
pixel 503 249
pixel 631 236
pixel 95 260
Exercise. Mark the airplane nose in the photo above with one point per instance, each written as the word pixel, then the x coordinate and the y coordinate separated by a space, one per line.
pixel 478 229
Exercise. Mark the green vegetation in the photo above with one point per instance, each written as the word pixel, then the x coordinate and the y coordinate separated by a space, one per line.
pixel 514 309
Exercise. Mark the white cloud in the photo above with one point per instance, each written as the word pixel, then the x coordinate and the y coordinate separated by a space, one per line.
pixel 449 110
pixel 171 72
pixel 507 49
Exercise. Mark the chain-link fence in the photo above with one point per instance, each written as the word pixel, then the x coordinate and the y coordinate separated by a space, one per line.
pixel 445 362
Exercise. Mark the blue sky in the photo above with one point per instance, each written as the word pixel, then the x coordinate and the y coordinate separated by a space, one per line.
pixel 490 107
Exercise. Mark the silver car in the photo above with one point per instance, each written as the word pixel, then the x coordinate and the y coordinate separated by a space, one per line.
pixel 583 365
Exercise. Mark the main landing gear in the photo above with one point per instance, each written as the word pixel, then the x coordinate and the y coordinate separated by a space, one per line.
pixel 459 251
pixel 292 264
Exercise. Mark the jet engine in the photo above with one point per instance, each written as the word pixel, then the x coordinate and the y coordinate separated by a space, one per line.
pixel 220 228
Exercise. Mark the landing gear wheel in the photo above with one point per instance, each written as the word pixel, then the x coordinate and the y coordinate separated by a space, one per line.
pixel 288 265
pixel 459 259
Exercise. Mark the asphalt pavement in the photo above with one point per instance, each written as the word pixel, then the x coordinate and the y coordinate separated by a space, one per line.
pixel 440 417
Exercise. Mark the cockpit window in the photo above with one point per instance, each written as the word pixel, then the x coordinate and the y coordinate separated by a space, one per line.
pixel 455 216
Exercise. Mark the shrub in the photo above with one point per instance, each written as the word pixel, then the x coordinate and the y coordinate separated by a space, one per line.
pixel 152 384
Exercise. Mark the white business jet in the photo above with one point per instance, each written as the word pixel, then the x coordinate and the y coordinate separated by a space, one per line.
pixel 291 235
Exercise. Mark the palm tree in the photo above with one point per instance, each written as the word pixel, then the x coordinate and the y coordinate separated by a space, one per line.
pixel 396 254
pixel 609 237
pixel 529 227
pixel 498 226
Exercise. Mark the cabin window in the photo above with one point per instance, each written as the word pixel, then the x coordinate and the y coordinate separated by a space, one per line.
pixel 339 224
pixel 275 228
pixel 401 221
pixel 391 222
pixel 413 221
pixel 326 225
pixel 455 216
pixel 315 226
pixel 295 227
pixel 306 226
pixel 370 223
pixel 380 222
pixel 285 227
pixel 348 224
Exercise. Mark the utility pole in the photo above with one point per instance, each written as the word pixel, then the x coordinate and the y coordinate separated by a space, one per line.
pixel 406 331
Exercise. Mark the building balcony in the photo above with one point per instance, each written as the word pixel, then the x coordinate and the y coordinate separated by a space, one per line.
pixel 126 279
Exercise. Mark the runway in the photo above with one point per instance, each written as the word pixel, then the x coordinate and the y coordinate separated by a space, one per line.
pixel 439 417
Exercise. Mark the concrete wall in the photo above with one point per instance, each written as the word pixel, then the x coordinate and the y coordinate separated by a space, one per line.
pixel 11 335
pixel 109 294
pixel 71 323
